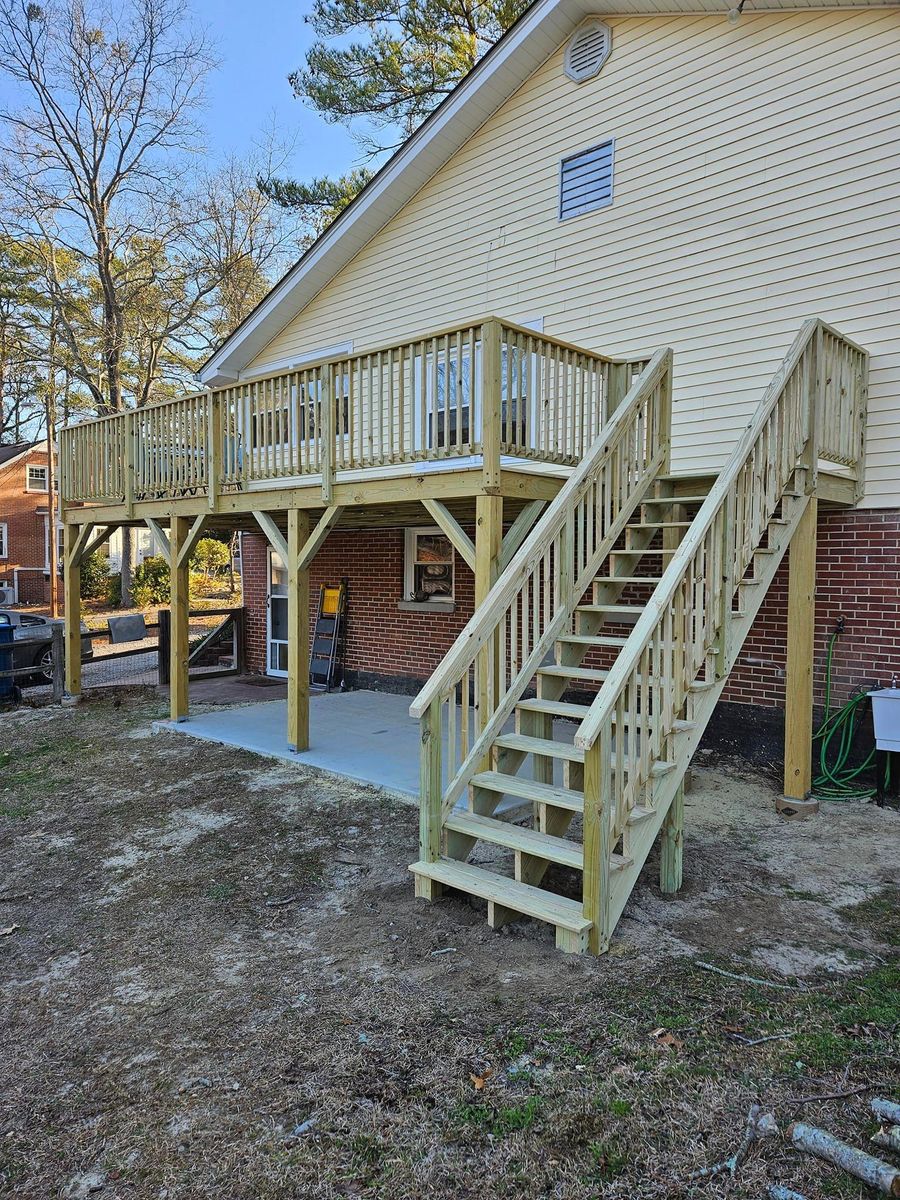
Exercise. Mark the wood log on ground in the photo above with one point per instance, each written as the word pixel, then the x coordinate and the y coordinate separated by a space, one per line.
pixel 888 1137
pixel 885 1110
pixel 776 1192
pixel 873 1171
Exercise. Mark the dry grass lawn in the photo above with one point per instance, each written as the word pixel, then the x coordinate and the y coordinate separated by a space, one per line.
pixel 215 982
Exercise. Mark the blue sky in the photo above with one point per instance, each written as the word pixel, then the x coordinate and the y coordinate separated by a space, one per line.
pixel 259 43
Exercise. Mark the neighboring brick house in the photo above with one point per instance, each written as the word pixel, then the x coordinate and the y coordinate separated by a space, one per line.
pixel 24 524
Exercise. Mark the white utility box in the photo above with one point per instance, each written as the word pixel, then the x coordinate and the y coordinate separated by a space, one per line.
pixel 886 715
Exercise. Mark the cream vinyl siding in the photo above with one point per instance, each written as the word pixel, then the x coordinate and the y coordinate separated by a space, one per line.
pixel 756 183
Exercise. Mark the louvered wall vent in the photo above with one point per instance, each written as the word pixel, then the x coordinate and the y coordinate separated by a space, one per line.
pixel 585 180
pixel 588 50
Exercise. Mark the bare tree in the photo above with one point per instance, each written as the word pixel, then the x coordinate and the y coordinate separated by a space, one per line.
pixel 95 159
pixel 248 237
pixel 93 164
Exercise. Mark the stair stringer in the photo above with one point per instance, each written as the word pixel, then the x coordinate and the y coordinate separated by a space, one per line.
pixel 754 592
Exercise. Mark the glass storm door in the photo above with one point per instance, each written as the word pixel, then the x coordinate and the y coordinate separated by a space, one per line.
pixel 277 648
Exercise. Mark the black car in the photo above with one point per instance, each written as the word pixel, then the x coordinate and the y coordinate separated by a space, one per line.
pixel 31 645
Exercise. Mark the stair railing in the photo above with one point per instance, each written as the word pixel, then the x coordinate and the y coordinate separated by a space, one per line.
pixel 813 408
pixel 511 633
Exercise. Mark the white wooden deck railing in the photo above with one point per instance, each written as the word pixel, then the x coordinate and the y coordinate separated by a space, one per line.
pixel 475 689
pixel 813 409
pixel 489 388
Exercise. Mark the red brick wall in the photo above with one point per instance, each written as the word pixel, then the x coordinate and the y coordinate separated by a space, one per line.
pixel 381 639
pixel 858 577
pixel 24 514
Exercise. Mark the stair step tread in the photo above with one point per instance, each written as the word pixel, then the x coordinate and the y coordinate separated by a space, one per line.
pixel 516 837
pixel 654 579
pixel 586 674
pixel 544 746
pixel 592 639
pixel 624 610
pixel 555 708
pixel 698 499
pixel 639 813
pixel 549 748
pixel 529 841
pixel 561 708
pixel 530 789
pixel 660 525
pixel 521 897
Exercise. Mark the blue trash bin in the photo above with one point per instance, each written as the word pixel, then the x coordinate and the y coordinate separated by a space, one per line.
pixel 7 684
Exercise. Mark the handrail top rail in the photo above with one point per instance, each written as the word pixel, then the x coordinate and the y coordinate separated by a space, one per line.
pixel 122 413
pixel 628 659
pixel 334 359
pixel 472 637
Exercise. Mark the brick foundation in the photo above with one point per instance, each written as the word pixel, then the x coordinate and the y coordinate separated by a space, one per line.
pixel 858 565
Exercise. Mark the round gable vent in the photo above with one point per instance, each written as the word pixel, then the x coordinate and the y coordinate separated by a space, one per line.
pixel 588 50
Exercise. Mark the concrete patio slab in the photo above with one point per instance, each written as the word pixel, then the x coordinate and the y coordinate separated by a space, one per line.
pixel 366 736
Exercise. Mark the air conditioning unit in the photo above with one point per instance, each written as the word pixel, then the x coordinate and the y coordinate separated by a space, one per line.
pixel 7 595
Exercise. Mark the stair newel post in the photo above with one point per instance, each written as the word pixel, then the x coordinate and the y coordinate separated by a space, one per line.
pixel 430 797
pixel 727 583
pixel 617 376
pixel 491 403
pixel 665 412
pixel 488 545
pixel 815 407
pixel 597 804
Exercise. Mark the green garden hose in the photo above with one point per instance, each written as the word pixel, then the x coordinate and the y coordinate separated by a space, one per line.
pixel 837 780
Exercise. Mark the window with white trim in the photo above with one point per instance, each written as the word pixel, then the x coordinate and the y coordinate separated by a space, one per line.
pixel 4 540
pixel 428 566
pixel 35 478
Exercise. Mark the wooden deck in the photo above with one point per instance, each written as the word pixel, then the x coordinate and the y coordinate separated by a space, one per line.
pixel 489 407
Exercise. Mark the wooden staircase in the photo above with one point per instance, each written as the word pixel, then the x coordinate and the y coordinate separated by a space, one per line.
pixel 560 726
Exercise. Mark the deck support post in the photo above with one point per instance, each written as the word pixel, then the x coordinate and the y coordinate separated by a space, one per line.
pixel 430 799
pixel 798 716
pixel 597 789
pixel 488 543
pixel 72 608
pixel 179 605
pixel 298 633
pixel 671 848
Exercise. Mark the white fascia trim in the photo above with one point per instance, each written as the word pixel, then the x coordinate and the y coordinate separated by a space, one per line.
pixel 540 32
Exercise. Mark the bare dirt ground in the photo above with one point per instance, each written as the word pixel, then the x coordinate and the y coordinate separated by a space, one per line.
pixel 215 982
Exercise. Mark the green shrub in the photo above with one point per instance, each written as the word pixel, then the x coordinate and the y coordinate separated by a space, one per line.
pixel 114 590
pixel 95 576
pixel 150 582
pixel 211 557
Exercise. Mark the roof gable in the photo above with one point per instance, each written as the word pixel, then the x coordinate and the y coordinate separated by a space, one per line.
pixel 538 34
pixel 11 454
